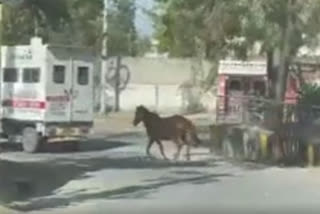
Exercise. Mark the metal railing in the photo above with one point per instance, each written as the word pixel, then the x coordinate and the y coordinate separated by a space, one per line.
pixel 253 110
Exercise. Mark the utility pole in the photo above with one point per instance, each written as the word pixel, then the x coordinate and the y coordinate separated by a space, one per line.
pixel 104 59
pixel 117 85
pixel 1 29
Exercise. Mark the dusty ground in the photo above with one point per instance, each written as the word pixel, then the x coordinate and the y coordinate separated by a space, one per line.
pixel 114 123
pixel 112 174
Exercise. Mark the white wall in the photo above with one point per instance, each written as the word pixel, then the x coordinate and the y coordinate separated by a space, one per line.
pixel 148 73
pixel 168 97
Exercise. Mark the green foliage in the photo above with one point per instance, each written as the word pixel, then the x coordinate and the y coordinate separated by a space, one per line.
pixel 143 45
pixel 15 19
pixel 86 23
pixel 221 23
pixel 310 95
pixel 48 12
pixel 122 32
pixel 74 22
pixel 214 22
pixel 33 17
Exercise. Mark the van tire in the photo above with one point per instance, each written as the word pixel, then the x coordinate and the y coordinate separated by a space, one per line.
pixel 30 140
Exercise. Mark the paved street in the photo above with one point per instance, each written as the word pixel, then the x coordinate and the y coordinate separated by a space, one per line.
pixel 111 174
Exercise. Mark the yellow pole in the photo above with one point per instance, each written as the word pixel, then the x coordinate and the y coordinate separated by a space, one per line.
pixel 215 137
pixel 264 144
pixel 311 155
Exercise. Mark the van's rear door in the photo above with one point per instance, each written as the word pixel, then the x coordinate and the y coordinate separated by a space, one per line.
pixel 59 81
pixel 82 91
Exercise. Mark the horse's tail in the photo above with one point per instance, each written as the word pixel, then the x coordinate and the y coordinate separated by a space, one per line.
pixel 196 139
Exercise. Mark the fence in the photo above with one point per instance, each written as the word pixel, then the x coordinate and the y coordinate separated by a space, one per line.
pixel 253 109
pixel 236 109
pixel 251 131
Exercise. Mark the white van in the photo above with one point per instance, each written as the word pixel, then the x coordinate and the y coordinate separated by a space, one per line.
pixel 46 93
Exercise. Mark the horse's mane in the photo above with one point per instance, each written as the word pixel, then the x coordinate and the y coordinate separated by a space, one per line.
pixel 154 114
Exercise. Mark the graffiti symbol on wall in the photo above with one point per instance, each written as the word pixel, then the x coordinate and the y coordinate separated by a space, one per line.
pixel 124 75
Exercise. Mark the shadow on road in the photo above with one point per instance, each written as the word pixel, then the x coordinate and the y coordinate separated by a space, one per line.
pixel 94 144
pixel 83 146
pixel 127 192
pixel 22 182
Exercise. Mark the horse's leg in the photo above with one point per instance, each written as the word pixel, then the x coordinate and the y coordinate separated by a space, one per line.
pixel 187 141
pixel 179 147
pixel 162 150
pixel 188 152
pixel 149 147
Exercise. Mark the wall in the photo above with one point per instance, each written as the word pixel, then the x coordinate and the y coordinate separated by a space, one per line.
pixel 156 97
pixel 148 74
pixel 161 70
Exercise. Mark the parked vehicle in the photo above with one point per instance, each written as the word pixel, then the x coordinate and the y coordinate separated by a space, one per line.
pixel 46 93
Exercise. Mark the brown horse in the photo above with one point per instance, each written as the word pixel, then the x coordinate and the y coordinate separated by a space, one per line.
pixel 175 128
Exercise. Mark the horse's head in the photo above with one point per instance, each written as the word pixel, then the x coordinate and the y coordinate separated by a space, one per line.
pixel 139 115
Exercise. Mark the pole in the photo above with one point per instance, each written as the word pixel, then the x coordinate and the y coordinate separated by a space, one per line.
pixel 157 96
pixel 1 28
pixel 117 85
pixel 104 61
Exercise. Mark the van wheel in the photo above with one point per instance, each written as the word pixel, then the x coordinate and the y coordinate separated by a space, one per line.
pixel 30 140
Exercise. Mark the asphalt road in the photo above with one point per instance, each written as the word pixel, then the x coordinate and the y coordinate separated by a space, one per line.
pixel 113 175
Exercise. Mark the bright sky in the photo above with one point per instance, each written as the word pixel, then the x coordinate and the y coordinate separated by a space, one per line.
pixel 143 22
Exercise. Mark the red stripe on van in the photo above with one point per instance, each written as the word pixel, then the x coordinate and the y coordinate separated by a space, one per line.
pixel 33 104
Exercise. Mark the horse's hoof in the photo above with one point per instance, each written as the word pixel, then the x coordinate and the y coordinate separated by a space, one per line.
pixel 150 157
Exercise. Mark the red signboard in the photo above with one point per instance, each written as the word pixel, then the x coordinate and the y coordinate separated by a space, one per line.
pixel 292 92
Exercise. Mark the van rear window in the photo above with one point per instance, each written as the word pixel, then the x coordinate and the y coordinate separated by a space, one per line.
pixel 31 75
pixel 10 75
pixel 83 75
pixel 59 74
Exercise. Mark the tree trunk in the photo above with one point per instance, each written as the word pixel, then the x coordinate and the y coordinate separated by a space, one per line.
pixel 271 73
pixel 117 85
pixel 285 50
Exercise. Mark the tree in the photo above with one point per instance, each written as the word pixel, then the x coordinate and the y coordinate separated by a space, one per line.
pixel 77 22
pixel 17 27
pixel 143 45
pixel 229 27
pixel 47 13
pixel 213 30
pixel 232 28
pixel 86 23
pixel 33 17
pixel 122 31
